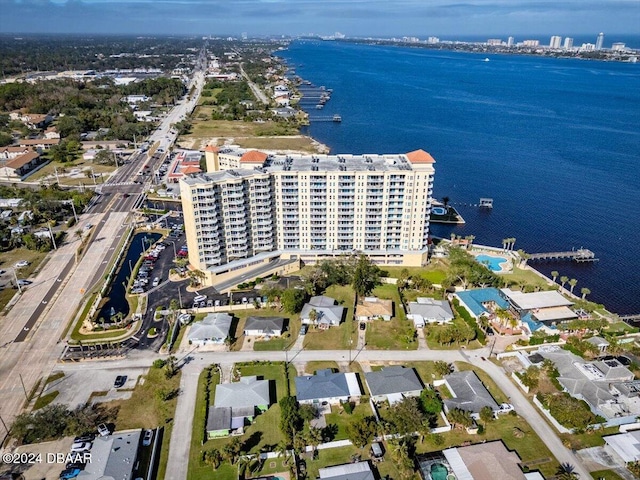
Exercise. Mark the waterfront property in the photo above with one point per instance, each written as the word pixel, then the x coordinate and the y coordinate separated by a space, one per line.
pixel 539 309
pixel 326 386
pixel 495 263
pixel 253 209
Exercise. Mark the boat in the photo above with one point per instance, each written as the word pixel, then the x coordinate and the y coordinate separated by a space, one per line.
pixel 486 60
pixel 337 118
pixel 319 106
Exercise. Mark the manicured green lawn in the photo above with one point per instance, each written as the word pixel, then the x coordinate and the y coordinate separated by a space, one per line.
pixel 606 475
pixel 620 327
pixel 340 418
pixel 519 277
pixel 394 335
pixel 45 400
pixel 587 440
pixel 434 273
pixel 335 337
pixel 287 339
pixel 197 469
pixel 312 367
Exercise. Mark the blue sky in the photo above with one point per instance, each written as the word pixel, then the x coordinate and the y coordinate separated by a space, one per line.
pixel 445 18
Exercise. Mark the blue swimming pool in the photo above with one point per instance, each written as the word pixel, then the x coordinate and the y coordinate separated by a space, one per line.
pixel 493 263
pixel 438 210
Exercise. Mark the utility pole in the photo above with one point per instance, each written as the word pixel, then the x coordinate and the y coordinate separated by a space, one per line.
pixel 26 395
pixel 15 275
pixel 53 239
pixel 56 172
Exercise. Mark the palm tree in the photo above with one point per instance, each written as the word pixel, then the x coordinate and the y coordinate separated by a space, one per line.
pixel 282 449
pixel 313 315
pixel 315 438
pixel 584 291
pixel 213 458
pixel 445 201
pixel 505 242
pixel 573 282
pixel 78 234
pixel 554 275
pixel 564 279
pixel 566 471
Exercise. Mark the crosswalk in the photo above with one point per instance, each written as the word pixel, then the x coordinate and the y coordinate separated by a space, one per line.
pixel 119 184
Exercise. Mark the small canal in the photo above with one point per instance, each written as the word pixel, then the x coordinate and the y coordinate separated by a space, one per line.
pixel 116 296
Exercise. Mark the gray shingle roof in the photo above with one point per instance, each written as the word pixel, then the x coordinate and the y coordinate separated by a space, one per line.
pixel 431 308
pixel 248 392
pixel 219 418
pixel 469 392
pixel 325 384
pixel 326 308
pixel 349 471
pixel 213 326
pixel 395 379
pixel 267 325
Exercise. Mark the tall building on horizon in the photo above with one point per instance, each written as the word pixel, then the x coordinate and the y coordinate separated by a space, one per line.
pixel 510 41
pixel 252 209
pixel 599 41
pixel 568 43
pixel 555 42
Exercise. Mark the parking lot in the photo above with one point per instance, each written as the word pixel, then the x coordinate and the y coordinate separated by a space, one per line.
pixel 76 387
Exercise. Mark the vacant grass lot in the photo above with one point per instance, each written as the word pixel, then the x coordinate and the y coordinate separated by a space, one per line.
pixel 7 261
pixel 605 475
pixel 430 335
pixel 147 409
pixel 434 272
pixel 336 337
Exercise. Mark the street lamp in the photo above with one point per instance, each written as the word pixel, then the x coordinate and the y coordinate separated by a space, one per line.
pixel 180 297
pixel 15 275
pixel 53 239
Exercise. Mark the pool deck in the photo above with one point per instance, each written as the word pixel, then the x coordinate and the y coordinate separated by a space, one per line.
pixel 505 267
pixel 452 217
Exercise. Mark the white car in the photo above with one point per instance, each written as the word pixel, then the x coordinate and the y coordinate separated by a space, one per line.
pixel 80 447
pixel 22 263
pixel 199 298
pixel 146 439
pixel 156 282
pixel 505 408
pixel 103 430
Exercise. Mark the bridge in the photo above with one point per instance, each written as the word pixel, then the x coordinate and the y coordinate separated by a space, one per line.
pixel 579 255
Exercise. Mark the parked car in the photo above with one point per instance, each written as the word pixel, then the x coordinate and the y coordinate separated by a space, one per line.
pixel 199 298
pixel 363 326
pixel 120 381
pixel 146 439
pixel 304 329
pixel 156 282
pixel 21 264
pixel 69 473
pixel 504 408
pixel 137 290
pixel 24 283
pixel 80 447
pixel 84 438
pixel 103 430
pixel 217 303
pixel 209 303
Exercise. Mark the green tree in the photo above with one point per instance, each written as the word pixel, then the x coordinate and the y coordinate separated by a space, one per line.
pixel 293 300
pixel 530 377
pixel 459 417
pixel 231 450
pixel 430 401
pixel 361 430
pixel 290 421
pixel 572 283
pixel 564 279
pixel 406 416
pixel 213 458
pixel 486 414
pixel 442 368
pixel 365 277
pixel 584 291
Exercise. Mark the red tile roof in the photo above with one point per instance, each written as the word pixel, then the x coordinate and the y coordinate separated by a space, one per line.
pixel 39 141
pixel 22 160
pixel 191 169
pixel 420 156
pixel 253 156
pixel 211 148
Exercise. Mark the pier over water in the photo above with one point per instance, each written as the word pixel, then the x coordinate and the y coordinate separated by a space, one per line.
pixel 579 255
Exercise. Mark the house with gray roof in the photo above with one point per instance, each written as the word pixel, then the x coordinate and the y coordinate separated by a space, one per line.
pixel 468 393
pixel 393 384
pixel 607 386
pixel 264 326
pixel 599 342
pixel 348 471
pixel 113 456
pixel 326 386
pixel 327 312
pixel 236 404
pixel 429 310
pixel 625 446
pixel 211 330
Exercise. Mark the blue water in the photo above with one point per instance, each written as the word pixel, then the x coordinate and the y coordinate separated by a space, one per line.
pixel 555 143
pixel 492 262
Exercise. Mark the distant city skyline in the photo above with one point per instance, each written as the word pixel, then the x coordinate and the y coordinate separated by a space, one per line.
pixel 376 18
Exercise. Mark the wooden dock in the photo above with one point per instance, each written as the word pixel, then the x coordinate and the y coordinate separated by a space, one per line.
pixel 630 318
pixel 580 255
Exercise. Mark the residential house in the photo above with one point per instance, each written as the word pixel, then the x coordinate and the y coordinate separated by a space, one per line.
pixel 624 446
pixel 373 308
pixel 539 309
pixel 600 343
pixel 468 393
pixel 39 144
pixel 607 386
pixel 429 310
pixel 482 302
pixel 326 386
pixel 323 312
pixel 213 329
pixel 264 326
pixel 237 403
pixel 51 132
pixel 32 120
pixel 7 153
pixel 348 471
pixel 393 384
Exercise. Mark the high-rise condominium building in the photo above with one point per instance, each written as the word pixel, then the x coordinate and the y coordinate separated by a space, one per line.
pixel 555 42
pixel 251 208
pixel 599 41
pixel 568 43
pixel 510 41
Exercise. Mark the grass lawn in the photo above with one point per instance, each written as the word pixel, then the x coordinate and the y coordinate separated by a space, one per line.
pixel 312 367
pixel 336 337
pixel 54 376
pixel 331 457
pixel 394 335
pixel 426 371
pixel 620 327
pixel 49 169
pixel 340 418
pixel 294 142
pixel 197 468
pixel 605 475
pixel 435 272
pixel 45 400
pixel 146 409
pixel 587 440
pixel 521 276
